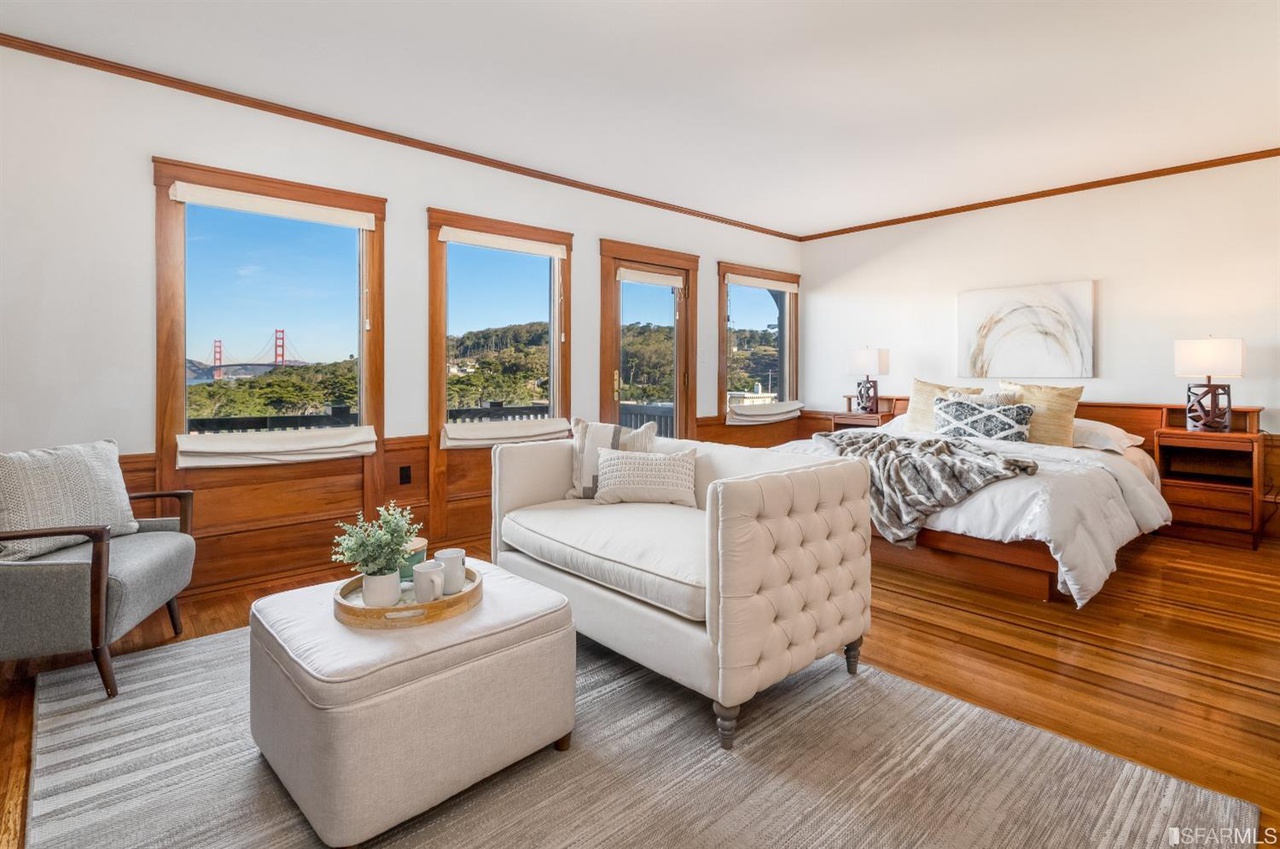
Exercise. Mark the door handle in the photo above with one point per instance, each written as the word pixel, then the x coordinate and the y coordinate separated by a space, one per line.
pixel 617 385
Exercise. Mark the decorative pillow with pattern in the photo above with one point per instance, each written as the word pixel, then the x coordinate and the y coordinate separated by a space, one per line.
pixel 590 437
pixel 68 486
pixel 1010 423
pixel 646 478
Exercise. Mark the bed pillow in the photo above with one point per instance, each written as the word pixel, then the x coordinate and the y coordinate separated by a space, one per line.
pixel 67 486
pixel 1102 436
pixel 1055 408
pixel 646 478
pixel 590 437
pixel 985 399
pixel 1008 423
pixel 919 413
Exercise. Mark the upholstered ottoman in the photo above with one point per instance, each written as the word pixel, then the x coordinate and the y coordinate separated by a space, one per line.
pixel 367 728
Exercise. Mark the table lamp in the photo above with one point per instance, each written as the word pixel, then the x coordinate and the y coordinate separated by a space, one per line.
pixel 869 361
pixel 1208 403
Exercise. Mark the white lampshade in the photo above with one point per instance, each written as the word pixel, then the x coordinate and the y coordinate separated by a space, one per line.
pixel 1208 358
pixel 871 361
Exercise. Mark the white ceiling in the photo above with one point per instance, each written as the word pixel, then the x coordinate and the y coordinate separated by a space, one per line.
pixel 800 116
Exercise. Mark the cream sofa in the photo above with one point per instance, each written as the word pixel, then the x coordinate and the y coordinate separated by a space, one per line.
pixel 771 572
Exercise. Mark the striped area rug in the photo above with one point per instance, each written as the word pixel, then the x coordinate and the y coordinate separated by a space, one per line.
pixel 822 760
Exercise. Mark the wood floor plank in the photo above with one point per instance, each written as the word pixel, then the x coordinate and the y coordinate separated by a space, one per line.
pixel 1174 665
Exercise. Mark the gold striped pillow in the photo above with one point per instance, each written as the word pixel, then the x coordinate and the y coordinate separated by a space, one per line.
pixel 920 408
pixel 1055 407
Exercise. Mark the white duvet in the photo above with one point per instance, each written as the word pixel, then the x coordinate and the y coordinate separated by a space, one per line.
pixel 1084 504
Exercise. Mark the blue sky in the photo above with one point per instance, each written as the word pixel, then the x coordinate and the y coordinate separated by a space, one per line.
pixel 248 274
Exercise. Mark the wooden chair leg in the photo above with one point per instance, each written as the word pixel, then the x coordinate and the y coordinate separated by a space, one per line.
pixel 726 723
pixel 175 616
pixel 851 653
pixel 562 745
pixel 102 657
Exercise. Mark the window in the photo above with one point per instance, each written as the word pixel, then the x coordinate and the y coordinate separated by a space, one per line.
pixel 273 322
pixel 269 314
pixel 505 334
pixel 647 337
pixel 757 335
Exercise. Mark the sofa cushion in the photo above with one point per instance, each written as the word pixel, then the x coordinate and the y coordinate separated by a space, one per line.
pixel 656 553
pixel 590 437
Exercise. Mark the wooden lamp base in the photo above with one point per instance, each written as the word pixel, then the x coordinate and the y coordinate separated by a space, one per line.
pixel 1209 407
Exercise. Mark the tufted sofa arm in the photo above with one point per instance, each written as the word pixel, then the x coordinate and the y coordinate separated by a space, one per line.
pixel 789 572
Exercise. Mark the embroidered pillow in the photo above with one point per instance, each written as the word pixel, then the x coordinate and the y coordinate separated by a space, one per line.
pixel 590 437
pixel 1010 423
pixel 72 485
pixel 648 478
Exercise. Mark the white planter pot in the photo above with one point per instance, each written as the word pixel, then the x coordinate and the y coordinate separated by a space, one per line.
pixel 382 590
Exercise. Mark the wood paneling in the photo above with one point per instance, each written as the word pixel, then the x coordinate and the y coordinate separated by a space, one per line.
pixel 410 451
pixel 713 429
pixel 1161 668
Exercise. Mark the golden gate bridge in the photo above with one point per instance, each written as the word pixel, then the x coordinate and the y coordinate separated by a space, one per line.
pixel 280 358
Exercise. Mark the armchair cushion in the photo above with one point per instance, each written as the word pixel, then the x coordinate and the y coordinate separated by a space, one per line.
pixel 146 570
pixel 72 485
pixel 652 552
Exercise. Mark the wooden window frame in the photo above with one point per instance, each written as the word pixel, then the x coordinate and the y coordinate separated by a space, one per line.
pixel 793 326
pixel 614 255
pixel 438 317
pixel 171 313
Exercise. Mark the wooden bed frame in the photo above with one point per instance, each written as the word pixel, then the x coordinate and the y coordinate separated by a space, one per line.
pixel 1024 568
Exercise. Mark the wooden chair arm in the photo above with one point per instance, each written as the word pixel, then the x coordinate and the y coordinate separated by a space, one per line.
pixel 186 503
pixel 99 565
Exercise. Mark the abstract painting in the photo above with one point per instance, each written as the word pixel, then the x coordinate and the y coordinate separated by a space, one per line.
pixel 1027 331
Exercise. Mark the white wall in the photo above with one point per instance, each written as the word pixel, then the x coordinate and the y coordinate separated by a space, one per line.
pixel 77 243
pixel 1178 257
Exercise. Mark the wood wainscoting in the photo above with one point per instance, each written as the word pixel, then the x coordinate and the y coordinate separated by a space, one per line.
pixel 259 523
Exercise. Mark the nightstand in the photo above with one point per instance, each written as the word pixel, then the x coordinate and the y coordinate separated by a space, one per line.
pixel 1213 483
pixel 841 421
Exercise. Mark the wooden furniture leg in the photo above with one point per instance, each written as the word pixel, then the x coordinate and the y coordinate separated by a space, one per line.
pixel 102 657
pixel 175 616
pixel 562 745
pixel 726 723
pixel 851 653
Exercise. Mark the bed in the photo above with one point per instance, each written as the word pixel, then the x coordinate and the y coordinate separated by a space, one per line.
pixel 1056 533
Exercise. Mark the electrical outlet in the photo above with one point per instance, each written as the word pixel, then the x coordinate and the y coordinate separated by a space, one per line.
pixel 406 475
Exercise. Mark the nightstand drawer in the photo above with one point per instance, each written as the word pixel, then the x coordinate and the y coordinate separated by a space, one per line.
pixel 1190 495
pixel 1226 519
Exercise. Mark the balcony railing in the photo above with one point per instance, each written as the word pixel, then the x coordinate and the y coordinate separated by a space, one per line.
pixel 634 415
pixel 339 417
pixel 496 411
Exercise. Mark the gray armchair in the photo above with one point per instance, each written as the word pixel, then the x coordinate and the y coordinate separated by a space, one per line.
pixel 90 595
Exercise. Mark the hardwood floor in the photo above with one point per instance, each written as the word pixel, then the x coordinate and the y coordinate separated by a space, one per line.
pixel 1176 665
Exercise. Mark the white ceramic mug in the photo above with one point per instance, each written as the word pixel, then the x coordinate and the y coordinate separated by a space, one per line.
pixel 453 560
pixel 428 581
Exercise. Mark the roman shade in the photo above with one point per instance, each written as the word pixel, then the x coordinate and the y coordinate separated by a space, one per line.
pixel 653 278
pixel 263 205
pixel 485 434
pixel 205 450
pixel 480 239
pixel 762 283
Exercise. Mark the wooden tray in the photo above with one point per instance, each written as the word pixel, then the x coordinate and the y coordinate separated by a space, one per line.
pixel 350 610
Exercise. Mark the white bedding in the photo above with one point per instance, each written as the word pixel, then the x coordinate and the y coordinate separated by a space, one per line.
pixel 1085 504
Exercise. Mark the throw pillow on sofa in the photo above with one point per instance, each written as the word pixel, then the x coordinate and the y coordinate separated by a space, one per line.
pixel 646 478
pixel 590 437
pixel 67 486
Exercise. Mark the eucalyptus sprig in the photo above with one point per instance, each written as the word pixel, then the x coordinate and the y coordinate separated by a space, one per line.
pixel 376 547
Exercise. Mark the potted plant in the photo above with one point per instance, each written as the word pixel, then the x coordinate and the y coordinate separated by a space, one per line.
pixel 376 550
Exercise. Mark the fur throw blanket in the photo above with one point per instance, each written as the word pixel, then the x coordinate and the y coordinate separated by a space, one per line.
pixel 912 479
